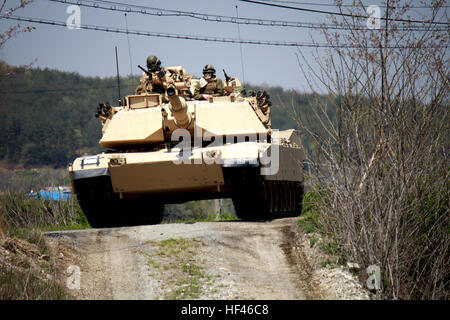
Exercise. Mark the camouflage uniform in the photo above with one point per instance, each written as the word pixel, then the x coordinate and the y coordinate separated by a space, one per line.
pixel 152 82
pixel 158 80
pixel 209 86
pixel 149 85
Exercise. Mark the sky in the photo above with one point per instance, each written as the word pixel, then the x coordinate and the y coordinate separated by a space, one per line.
pixel 92 53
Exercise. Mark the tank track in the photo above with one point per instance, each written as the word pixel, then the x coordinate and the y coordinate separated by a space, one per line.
pixel 257 199
pixel 104 208
pixel 253 198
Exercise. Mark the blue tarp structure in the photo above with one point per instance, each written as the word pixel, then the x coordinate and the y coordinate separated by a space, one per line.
pixel 57 194
pixel 49 195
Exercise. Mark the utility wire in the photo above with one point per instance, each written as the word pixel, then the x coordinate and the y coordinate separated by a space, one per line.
pixel 347 5
pixel 341 14
pixel 129 48
pixel 240 47
pixel 160 12
pixel 199 38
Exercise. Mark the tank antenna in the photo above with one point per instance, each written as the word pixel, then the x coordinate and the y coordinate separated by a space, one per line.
pixel 118 78
pixel 240 45
pixel 129 49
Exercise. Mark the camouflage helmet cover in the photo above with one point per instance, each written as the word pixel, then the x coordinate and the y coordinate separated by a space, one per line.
pixel 209 68
pixel 153 61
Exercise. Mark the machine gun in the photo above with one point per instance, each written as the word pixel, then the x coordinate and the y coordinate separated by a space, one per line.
pixel 227 77
pixel 146 71
pixel 231 84
pixel 160 74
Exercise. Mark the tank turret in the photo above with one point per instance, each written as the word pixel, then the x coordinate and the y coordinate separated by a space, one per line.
pixel 165 147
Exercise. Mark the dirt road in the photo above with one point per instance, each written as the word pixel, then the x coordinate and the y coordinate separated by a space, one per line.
pixel 207 260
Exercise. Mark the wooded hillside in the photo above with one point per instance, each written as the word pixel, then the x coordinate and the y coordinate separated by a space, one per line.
pixel 47 116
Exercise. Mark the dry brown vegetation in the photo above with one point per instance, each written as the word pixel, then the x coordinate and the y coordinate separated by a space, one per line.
pixel 380 165
pixel 29 268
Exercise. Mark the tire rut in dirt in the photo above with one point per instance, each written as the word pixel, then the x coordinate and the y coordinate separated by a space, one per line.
pixel 299 264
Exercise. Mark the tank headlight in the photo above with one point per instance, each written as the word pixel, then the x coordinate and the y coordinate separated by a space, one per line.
pixel 117 161
pixel 87 161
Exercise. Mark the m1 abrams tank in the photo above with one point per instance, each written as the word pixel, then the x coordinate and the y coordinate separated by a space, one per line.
pixel 168 148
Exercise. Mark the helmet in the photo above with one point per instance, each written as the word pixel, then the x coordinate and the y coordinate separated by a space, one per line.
pixel 153 63
pixel 209 69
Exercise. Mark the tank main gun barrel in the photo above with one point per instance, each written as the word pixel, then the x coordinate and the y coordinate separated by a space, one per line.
pixel 178 108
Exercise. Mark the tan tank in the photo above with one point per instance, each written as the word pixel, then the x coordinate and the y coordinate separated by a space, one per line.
pixel 168 148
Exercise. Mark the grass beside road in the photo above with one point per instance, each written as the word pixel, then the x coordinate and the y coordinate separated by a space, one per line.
pixel 27 271
pixel 21 214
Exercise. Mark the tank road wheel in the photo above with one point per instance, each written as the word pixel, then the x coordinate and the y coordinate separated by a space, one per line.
pixel 265 193
pixel 290 196
pixel 293 197
pixel 256 199
pixel 104 208
pixel 280 199
pixel 271 196
pixel 298 195
pixel 276 197
pixel 285 199
pixel 248 192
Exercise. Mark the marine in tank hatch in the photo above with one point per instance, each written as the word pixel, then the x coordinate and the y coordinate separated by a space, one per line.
pixel 209 84
pixel 157 79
